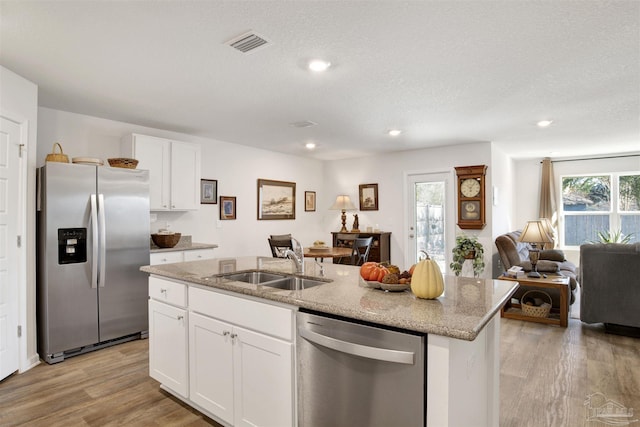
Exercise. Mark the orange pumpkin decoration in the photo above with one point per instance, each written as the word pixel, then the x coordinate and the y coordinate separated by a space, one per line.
pixel 373 271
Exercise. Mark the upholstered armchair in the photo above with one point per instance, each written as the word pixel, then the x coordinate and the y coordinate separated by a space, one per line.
pixel 513 252
pixel 610 285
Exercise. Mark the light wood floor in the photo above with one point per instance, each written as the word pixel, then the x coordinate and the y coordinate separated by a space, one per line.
pixel 547 373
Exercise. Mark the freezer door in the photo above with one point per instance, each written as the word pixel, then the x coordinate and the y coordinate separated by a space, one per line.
pixel 67 302
pixel 123 196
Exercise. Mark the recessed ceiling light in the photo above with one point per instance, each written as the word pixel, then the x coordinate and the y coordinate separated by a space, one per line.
pixel 318 65
pixel 310 145
pixel 544 123
pixel 394 132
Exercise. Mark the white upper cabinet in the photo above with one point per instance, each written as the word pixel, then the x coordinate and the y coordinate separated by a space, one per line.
pixel 174 170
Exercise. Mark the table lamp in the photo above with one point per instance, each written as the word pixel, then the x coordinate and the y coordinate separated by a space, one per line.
pixel 535 235
pixel 343 203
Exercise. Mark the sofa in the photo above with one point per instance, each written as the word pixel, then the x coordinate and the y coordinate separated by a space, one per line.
pixel 513 252
pixel 610 282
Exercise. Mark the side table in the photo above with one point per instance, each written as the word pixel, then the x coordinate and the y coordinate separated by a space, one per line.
pixel 558 316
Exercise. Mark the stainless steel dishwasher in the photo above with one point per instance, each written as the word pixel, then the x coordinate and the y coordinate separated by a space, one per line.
pixel 354 375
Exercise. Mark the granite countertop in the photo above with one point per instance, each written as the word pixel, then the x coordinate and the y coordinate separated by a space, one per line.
pixel 184 244
pixel 461 312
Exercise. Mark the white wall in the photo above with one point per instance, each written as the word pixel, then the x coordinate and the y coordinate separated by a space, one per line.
pixel 236 168
pixel 389 171
pixel 501 197
pixel 527 181
pixel 19 102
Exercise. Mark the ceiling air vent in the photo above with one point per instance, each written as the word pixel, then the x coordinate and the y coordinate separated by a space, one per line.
pixel 303 124
pixel 248 42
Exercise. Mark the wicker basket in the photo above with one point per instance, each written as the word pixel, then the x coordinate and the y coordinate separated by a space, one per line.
pixel 123 162
pixel 57 157
pixel 536 311
pixel 166 240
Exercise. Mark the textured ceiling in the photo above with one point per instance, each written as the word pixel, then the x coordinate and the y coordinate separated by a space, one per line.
pixel 446 72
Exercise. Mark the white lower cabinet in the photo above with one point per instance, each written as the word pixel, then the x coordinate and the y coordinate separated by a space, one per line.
pixel 168 346
pixel 241 376
pixel 235 360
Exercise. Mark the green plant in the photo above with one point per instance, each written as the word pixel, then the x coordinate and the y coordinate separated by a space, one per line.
pixel 465 247
pixel 614 236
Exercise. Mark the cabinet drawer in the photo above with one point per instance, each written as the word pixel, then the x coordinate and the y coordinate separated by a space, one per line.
pixel 168 292
pixel 196 254
pixel 165 257
pixel 265 318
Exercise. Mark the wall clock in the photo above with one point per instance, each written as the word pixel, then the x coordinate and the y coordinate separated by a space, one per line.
pixel 471 196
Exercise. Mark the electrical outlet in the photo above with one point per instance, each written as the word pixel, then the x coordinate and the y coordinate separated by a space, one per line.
pixel 153 217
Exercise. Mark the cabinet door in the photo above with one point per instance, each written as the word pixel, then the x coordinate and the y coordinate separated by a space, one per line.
pixel 168 346
pixel 210 363
pixel 263 373
pixel 196 254
pixel 185 176
pixel 154 155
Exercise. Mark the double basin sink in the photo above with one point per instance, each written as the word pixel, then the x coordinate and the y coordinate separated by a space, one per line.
pixel 273 280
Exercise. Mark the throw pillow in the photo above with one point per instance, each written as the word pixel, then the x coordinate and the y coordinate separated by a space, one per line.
pixel 552 255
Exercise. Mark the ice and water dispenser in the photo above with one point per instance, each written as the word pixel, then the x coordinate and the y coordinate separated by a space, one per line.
pixel 72 245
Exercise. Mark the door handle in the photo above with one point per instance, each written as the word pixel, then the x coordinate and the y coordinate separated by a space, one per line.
pixel 386 355
pixel 103 237
pixel 94 239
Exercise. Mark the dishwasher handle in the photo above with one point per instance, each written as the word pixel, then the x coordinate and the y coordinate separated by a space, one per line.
pixel 386 355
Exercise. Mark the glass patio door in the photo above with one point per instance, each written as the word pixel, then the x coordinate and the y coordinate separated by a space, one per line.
pixel 428 230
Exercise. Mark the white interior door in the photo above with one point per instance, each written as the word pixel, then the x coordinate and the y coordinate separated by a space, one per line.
pixel 428 226
pixel 9 211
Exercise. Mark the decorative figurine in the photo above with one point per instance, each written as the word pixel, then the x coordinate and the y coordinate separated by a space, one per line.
pixel 356 224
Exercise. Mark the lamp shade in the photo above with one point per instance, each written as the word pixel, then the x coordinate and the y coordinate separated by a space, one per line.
pixel 534 232
pixel 343 203
pixel 546 225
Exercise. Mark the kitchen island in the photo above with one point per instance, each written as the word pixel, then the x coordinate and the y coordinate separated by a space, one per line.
pixel 461 327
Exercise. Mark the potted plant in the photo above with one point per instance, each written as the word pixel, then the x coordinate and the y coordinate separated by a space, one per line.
pixel 614 236
pixel 467 247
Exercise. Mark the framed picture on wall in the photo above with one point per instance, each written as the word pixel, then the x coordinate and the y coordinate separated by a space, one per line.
pixel 276 199
pixel 208 191
pixel 309 201
pixel 227 207
pixel 368 197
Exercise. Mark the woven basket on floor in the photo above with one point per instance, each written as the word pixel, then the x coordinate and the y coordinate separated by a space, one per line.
pixel 123 162
pixel 57 157
pixel 536 311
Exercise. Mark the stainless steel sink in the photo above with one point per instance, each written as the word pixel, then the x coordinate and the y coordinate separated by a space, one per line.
pixel 273 280
pixel 254 277
pixel 294 283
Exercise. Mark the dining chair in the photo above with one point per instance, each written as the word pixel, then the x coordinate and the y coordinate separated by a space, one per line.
pixel 344 241
pixel 279 244
pixel 361 249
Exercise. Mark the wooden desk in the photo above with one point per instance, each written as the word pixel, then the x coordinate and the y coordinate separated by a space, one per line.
pixel 513 311
pixel 332 252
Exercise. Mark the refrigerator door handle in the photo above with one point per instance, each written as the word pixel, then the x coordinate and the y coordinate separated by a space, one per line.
pixel 103 237
pixel 94 239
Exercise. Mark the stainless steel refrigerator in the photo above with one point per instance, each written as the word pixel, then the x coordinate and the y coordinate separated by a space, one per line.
pixel 93 236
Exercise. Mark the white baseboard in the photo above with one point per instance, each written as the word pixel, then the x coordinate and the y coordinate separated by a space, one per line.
pixel 29 363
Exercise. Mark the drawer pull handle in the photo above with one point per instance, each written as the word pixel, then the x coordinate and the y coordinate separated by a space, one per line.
pixel 225 333
pixel 163 291
pixel 180 317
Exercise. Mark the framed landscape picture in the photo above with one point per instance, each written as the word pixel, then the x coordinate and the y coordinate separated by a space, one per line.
pixel 276 199
pixel 208 191
pixel 309 201
pixel 227 207
pixel 368 197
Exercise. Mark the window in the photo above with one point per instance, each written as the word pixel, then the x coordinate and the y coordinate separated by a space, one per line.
pixel 604 203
